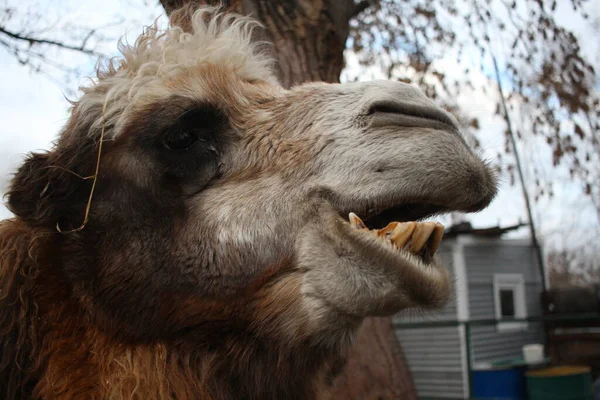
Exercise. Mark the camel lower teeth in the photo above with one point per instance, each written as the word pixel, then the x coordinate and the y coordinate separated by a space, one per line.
pixel 420 238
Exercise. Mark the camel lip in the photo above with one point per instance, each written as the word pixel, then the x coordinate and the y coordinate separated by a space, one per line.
pixel 377 216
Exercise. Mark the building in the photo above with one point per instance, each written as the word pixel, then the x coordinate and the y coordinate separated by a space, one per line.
pixel 494 279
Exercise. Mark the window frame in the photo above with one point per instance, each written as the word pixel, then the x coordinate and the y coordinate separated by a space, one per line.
pixel 516 283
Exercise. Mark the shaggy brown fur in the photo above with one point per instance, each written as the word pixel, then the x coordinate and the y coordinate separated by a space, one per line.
pixel 53 349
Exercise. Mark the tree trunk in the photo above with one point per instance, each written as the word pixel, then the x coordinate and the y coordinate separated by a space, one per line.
pixel 309 38
pixel 375 366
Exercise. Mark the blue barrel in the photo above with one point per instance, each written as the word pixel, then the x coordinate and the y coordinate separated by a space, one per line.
pixel 499 383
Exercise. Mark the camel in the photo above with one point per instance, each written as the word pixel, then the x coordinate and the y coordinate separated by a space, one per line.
pixel 196 231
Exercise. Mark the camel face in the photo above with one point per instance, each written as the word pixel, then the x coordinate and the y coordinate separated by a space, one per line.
pixel 312 155
pixel 216 184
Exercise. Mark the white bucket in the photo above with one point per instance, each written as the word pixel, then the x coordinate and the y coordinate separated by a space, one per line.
pixel 533 353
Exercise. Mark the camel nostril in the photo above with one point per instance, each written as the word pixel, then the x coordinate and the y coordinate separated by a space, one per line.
pixel 411 110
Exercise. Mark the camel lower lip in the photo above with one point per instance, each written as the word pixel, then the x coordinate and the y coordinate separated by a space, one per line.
pixel 421 239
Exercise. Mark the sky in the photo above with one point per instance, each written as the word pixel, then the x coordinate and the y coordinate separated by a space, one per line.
pixel 33 107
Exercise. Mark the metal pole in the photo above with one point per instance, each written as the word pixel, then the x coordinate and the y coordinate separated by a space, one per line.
pixel 536 246
pixel 467 326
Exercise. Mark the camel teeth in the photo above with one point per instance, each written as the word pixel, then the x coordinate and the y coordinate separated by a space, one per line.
pixel 402 233
pixel 387 232
pixel 421 236
pixel 356 222
pixel 435 239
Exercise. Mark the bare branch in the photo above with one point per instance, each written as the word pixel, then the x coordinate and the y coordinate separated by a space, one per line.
pixel 360 7
pixel 32 41
pixel 87 37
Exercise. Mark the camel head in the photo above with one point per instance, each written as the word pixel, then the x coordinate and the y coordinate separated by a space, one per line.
pixel 222 200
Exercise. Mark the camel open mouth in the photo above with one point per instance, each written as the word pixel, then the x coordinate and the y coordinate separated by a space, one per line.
pixel 421 239
pixel 402 213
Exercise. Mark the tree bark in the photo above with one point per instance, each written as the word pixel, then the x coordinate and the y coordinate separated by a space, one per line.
pixel 375 366
pixel 309 38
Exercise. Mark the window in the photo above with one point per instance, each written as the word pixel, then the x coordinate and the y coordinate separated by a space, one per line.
pixel 509 301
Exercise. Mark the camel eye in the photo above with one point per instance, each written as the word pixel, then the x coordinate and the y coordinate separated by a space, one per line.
pixel 195 125
pixel 180 140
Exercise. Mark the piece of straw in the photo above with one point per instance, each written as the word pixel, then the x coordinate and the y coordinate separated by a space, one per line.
pixel 95 176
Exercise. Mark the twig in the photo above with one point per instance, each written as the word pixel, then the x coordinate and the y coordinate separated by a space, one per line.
pixel 87 37
pixel 32 40
pixel 360 7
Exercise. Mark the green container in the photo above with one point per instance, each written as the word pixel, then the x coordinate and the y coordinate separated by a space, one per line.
pixel 560 383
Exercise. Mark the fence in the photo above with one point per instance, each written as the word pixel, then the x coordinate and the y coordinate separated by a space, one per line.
pixel 550 322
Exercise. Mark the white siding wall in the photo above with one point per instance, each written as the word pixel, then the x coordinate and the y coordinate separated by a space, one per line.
pixel 434 354
pixel 483 260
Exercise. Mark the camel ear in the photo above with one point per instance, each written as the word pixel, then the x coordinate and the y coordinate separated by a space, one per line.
pixel 39 193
